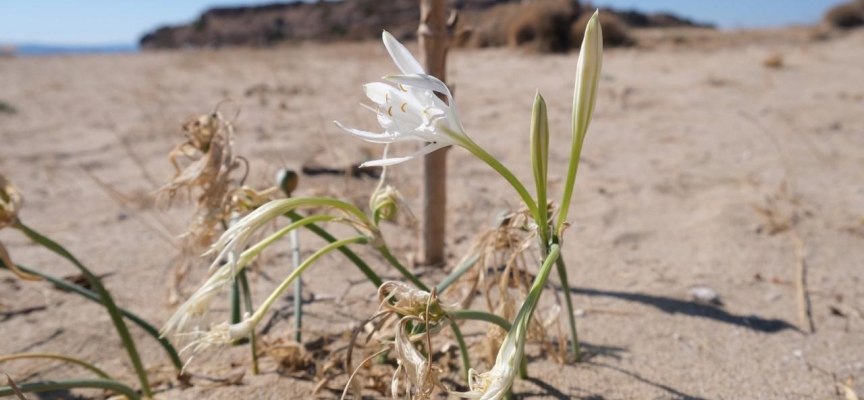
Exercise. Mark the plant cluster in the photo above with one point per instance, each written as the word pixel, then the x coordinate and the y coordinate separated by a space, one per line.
pixel 411 106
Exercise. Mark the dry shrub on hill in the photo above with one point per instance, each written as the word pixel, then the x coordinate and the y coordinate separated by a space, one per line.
pixel 487 28
pixel 846 15
pixel 543 26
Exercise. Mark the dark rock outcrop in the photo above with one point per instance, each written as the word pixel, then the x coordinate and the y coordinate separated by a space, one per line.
pixel 269 24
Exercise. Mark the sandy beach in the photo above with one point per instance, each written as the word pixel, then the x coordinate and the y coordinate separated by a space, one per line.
pixel 703 167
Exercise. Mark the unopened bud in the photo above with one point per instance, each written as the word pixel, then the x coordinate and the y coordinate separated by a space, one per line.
pixel 11 202
pixel 384 203
pixel 287 180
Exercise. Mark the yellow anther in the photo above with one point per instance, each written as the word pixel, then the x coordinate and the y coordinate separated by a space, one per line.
pixel 390 111
pixel 386 97
pixel 403 107
pixel 402 88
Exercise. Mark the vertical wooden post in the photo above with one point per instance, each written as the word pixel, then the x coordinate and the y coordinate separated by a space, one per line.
pixel 434 34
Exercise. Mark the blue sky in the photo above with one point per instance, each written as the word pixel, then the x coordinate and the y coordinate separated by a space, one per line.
pixel 98 22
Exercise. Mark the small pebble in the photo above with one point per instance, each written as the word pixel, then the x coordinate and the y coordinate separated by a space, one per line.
pixel 704 295
pixel 798 353
pixel 772 297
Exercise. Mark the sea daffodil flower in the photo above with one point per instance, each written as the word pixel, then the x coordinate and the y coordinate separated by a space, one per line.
pixel 410 110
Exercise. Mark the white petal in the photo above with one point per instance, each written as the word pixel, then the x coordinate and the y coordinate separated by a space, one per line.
pixel 422 81
pixel 401 56
pixel 390 161
pixel 378 92
pixel 367 136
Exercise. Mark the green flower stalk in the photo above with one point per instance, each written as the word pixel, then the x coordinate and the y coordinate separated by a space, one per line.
pixel 54 386
pixel 60 357
pixel 495 383
pixel 105 298
pixel 540 163
pixel 584 97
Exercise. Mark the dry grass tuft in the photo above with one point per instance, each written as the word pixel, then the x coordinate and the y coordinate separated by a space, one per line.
pixel 845 15
pixel 774 61
pixel 614 30
pixel 543 26
pixel 502 278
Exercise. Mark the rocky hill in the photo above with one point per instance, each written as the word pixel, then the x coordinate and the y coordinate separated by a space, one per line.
pixel 269 24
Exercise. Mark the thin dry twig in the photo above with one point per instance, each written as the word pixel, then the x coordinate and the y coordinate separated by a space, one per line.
pixel 14 387
pixel 805 312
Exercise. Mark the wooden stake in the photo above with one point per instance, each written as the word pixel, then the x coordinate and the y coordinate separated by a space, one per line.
pixel 435 33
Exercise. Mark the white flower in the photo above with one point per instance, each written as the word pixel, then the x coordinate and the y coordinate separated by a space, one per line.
pixel 411 110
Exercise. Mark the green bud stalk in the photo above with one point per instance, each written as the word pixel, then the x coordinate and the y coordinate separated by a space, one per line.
pixel 584 96
pixel 540 162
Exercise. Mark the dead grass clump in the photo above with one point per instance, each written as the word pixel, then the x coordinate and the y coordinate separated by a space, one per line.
pixel 774 61
pixel 502 279
pixel 846 15
pixel 614 30
pixel 543 26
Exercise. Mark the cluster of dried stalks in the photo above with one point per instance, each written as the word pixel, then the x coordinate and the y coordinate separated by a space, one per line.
pixel 501 277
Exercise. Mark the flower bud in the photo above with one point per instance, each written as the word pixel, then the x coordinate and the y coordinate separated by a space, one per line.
pixel 287 181
pixel 384 203
pixel 11 202
pixel 584 96
pixel 540 155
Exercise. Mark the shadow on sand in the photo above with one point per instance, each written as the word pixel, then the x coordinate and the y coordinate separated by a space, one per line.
pixel 548 391
pixel 674 306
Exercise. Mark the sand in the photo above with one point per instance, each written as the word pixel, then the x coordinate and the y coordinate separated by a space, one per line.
pixel 689 142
